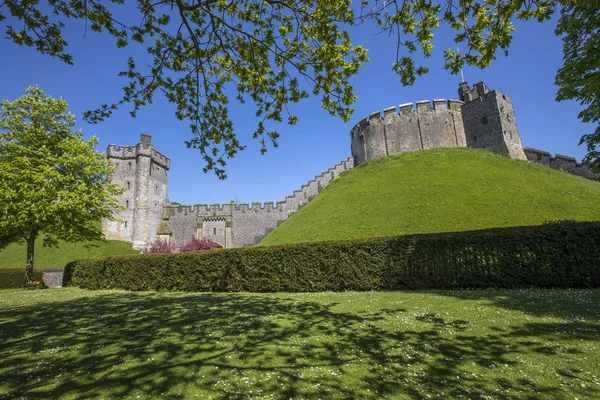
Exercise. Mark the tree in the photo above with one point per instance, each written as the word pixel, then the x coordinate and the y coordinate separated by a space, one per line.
pixel 53 181
pixel 579 78
pixel 270 52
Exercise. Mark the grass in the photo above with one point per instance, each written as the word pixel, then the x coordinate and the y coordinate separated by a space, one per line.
pixel 441 190
pixel 76 344
pixel 14 255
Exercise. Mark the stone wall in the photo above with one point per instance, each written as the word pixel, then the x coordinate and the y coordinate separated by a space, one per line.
pixel 246 224
pixel 564 163
pixel 429 126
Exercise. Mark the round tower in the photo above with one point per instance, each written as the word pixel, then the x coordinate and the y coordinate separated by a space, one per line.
pixel 480 119
pixel 431 125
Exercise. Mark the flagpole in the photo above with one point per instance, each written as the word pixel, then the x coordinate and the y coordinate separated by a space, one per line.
pixel 461 70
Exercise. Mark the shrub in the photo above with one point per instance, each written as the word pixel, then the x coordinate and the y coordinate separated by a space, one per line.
pixel 160 246
pixel 199 244
pixel 14 278
pixel 556 255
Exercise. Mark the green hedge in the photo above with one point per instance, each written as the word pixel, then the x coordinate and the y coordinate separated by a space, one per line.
pixel 14 278
pixel 552 255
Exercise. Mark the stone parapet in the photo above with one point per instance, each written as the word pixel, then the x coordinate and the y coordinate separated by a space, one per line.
pixel 121 152
pixel 411 127
pixel 250 222
pixel 132 152
pixel 561 162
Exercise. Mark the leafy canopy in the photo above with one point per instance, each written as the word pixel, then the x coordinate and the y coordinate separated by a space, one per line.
pixel 52 179
pixel 579 78
pixel 268 52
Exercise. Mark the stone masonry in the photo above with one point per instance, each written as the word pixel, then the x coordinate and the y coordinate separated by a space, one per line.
pixel 480 119
pixel 243 224
pixel 143 173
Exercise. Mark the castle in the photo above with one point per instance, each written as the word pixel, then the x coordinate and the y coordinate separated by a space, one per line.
pixel 482 118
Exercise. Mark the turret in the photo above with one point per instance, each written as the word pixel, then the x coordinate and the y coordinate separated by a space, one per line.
pixel 489 121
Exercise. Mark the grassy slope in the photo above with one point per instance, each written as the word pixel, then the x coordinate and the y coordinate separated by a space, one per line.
pixel 13 256
pixel 74 344
pixel 440 191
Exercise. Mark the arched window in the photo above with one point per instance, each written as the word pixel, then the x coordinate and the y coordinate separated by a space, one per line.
pixel 128 185
pixel 214 231
pixel 127 204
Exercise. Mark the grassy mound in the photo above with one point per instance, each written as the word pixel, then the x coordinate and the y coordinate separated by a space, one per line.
pixel 442 190
pixel 13 256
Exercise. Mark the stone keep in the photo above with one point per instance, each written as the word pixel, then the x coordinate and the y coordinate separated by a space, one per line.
pixel 482 118
pixel 143 173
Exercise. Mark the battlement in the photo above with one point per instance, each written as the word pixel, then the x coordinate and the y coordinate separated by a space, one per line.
pixel 249 221
pixel 466 94
pixel 228 208
pixel 422 106
pixel 143 148
pixel 121 152
pixel 422 125
pixel 219 209
pixel 161 159
pixel 561 162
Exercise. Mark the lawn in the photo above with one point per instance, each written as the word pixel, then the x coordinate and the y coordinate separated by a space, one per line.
pixel 72 343
pixel 14 255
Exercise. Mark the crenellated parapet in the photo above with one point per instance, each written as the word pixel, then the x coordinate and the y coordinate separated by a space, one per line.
pixel 561 162
pixel 121 152
pixel 307 190
pixel 160 159
pixel 223 209
pixel 426 125
pixel 248 222
pixel 141 149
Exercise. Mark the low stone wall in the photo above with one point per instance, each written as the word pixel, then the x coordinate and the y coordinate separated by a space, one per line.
pixel 561 162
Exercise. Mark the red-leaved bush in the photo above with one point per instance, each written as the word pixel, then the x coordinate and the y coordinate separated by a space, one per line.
pixel 160 246
pixel 199 244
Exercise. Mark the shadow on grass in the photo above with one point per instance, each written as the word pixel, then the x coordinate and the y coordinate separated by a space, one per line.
pixel 243 346
pixel 570 304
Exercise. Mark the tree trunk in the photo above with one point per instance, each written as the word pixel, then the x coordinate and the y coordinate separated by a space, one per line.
pixel 30 255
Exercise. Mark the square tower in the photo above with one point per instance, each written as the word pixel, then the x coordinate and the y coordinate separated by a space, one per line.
pixel 143 173
pixel 489 121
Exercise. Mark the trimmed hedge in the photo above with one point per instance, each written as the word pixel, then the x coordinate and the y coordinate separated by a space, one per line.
pixel 552 255
pixel 14 278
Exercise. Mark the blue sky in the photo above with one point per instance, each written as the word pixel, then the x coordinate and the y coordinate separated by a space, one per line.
pixel 318 141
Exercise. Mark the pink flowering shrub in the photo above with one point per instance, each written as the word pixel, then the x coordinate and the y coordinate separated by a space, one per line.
pixel 160 246
pixel 199 244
